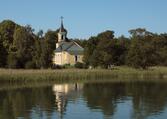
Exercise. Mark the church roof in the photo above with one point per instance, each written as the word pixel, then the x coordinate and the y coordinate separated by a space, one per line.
pixel 70 47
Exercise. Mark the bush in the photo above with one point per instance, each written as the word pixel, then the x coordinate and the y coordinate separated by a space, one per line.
pixel 79 65
pixel 12 61
pixel 66 66
pixel 30 65
pixel 57 67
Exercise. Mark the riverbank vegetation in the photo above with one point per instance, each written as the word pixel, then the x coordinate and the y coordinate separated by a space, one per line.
pixel 22 48
pixel 116 74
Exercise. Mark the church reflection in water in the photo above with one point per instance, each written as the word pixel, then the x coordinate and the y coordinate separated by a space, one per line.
pixel 119 100
pixel 140 98
pixel 63 92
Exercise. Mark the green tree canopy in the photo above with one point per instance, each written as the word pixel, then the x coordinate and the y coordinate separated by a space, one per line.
pixel 48 45
pixel 142 52
pixel 23 46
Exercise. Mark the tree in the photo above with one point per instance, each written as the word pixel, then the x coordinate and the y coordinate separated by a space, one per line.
pixel 7 29
pixel 89 49
pixel 139 32
pixel 123 47
pixel 23 45
pixel 12 60
pixel 37 52
pixel 102 55
pixel 3 54
pixel 91 52
pixel 48 45
pixel 160 45
pixel 106 35
pixel 142 52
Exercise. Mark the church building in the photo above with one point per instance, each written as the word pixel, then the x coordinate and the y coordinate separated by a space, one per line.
pixel 67 51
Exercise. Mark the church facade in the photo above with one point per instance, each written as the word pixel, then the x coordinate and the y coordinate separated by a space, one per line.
pixel 67 51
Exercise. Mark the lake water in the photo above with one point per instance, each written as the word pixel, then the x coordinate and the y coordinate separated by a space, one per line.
pixel 96 100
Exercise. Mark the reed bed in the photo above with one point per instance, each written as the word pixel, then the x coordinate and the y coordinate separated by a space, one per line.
pixel 118 73
pixel 14 79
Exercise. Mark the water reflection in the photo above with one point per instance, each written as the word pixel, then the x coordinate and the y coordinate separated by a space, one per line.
pixel 130 100
pixel 104 96
pixel 27 103
pixel 64 92
pixel 147 98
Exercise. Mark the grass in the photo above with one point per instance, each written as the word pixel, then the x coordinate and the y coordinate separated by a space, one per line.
pixel 49 75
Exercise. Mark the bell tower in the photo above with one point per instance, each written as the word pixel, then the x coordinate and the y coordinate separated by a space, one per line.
pixel 62 34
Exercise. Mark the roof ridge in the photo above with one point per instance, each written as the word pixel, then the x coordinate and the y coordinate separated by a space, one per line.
pixel 77 44
pixel 69 46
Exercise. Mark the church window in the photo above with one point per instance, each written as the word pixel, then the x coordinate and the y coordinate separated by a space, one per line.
pixel 76 58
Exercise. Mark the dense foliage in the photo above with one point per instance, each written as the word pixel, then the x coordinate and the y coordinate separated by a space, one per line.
pixel 20 47
pixel 141 50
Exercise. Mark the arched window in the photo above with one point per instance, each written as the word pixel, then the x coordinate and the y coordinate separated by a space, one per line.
pixel 76 58
pixel 62 37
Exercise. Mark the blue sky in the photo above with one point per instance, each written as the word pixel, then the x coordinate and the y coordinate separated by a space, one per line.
pixel 84 18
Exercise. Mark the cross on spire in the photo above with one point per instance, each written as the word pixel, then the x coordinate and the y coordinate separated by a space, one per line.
pixel 61 17
pixel 61 20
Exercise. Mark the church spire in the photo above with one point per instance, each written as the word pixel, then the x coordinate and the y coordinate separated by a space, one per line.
pixel 62 34
pixel 62 26
pixel 62 29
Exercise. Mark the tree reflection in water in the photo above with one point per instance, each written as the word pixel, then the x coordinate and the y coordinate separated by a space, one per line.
pixel 104 96
pixel 146 98
pixel 26 103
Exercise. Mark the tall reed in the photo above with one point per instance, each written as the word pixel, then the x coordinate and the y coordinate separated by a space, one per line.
pixel 118 73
